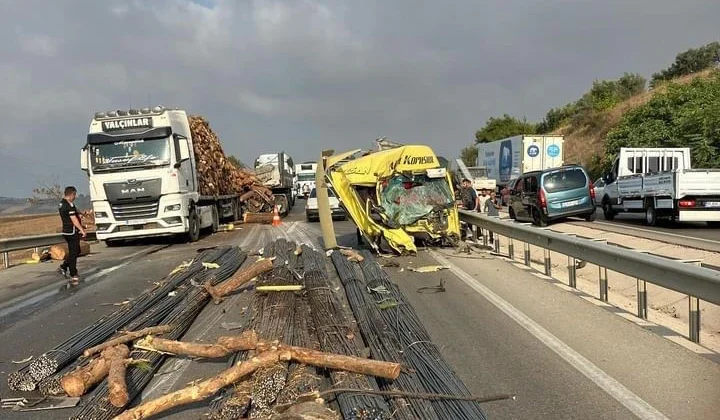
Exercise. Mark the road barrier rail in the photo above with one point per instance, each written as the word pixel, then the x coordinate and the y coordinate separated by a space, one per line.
pixel 689 277
pixel 35 242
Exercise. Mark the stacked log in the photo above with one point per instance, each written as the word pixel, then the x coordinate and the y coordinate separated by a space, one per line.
pixel 59 251
pixel 219 176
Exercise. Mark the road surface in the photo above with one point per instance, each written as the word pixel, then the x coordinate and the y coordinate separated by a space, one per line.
pixel 504 329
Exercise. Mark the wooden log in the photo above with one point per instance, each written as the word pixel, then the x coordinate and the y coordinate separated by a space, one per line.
pixel 224 346
pixel 378 368
pixel 159 329
pixel 117 387
pixel 204 389
pixel 59 251
pixel 264 218
pixel 236 281
pixel 79 382
pixel 352 255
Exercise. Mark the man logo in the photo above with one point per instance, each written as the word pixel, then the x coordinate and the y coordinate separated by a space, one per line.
pixel 132 190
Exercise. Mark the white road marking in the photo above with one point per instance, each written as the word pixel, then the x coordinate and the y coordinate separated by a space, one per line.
pixel 623 395
pixel 656 232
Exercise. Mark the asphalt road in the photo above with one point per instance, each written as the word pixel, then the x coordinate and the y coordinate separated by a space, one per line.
pixel 503 329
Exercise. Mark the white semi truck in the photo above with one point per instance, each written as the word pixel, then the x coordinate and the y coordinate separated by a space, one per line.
pixel 143 178
pixel 277 172
pixel 661 183
pixel 508 158
pixel 305 173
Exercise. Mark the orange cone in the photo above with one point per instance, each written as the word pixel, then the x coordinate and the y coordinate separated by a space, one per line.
pixel 276 217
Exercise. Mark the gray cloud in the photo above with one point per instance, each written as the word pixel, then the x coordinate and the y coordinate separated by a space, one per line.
pixel 303 75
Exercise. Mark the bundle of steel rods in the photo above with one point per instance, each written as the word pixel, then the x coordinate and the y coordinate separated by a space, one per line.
pixel 382 341
pixel 434 374
pixel 336 334
pixel 27 378
pixel 181 317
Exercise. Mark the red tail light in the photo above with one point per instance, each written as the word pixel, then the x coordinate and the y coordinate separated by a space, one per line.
pixel 592 190
pixel 686 203
pixel 541 199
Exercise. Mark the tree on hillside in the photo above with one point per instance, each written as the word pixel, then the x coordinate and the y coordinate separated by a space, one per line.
pixel 469 155
pixel 687 115
pixel 505 126
pixel 47 191
pixel 235 161
pixel 690 61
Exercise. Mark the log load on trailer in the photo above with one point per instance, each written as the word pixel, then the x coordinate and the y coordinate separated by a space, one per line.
pixel 396 196
pixel 508 158
pixel 661 183
pixel 158 172
pixel 276 171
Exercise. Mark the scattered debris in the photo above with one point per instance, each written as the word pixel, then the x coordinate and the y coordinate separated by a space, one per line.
pixel 210 265
pixel 391 263
pixel 352 255
pixel 281 288
pixel 433 289
pixel 428 268
pixel 20 362
pixel 232 325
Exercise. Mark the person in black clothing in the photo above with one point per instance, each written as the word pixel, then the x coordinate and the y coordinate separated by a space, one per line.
pixel 72 230
pixel 468 201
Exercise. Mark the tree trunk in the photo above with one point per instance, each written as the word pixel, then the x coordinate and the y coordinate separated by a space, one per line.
pixel 224 346
pixel 117 387
pixel 79 382
pixel 160 329
pixel 264 218
pixel 59 251
pixel 240 278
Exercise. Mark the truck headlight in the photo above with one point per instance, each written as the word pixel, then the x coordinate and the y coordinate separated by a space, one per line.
pixel 100 215
pixel 174 207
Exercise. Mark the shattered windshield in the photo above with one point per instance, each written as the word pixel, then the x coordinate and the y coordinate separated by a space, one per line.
pixel 408 199
pixel 130 154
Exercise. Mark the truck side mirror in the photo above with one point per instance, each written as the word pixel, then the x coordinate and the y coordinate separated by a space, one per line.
pixel 84 164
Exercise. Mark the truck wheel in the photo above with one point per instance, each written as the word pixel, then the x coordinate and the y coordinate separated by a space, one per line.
pixel 193 233
pixel 215 220
pixel 650 214
pixel 539 219
pixel 607 209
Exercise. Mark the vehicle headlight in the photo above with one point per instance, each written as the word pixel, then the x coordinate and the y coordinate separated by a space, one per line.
pixel 100 215
pixel 174 207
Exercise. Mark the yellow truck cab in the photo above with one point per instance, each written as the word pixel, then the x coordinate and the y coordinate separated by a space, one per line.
pixel 397 196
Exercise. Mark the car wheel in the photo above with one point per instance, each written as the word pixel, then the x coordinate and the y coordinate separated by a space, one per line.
pixel 539 219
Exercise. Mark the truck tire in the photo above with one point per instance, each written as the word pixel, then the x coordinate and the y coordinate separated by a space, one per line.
pixel 650 214
pixel 215 220
pixel 193 233
pixel 607 209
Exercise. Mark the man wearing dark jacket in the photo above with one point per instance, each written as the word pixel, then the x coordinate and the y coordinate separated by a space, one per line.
pixel 72 230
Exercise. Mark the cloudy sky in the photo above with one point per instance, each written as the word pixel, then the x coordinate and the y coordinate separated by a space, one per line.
pixel 302 75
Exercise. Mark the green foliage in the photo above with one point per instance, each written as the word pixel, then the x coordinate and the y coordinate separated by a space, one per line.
pixel 556 117
pixel 690 61
pixel 469 155
pixel 235 161
pixel 502 127
pixel 687 115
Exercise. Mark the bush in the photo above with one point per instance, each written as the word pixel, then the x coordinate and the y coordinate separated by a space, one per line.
pixel 690 61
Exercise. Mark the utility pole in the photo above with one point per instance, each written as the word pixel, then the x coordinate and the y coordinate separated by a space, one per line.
pixel 326 223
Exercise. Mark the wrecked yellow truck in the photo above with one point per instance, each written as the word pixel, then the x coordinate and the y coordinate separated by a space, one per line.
pixel 396 197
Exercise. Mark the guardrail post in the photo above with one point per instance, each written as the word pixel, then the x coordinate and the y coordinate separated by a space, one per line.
pixel 511 249
pixel 475 233
pixel 694 333
pixel 527 254
pixel 548 263
pixel 496 243
pixel 486 240
pixel 642 299
pixel 6 259
pixel 36 250
pixel 572 278
pixel 602 274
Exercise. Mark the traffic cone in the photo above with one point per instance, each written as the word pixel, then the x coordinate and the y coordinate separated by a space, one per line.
pixel 276 217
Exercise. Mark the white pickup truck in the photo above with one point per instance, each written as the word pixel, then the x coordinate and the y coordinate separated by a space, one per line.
pixel 661 183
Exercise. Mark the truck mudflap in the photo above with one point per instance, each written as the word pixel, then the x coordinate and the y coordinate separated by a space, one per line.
pixel 395 208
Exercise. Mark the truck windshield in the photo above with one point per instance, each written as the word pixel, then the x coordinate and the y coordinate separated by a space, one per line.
pixel 409 199
pixel 306 177
pixel 130 154
pixel 564 180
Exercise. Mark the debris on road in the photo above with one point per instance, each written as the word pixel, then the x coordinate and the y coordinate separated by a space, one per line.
pixel 59 251
pixel 428 268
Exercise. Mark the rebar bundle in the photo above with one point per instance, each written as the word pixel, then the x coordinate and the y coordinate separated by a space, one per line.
pixel 382 341
pixel 182 315
pixel 336 334
pixel 27 378
pixel 434 374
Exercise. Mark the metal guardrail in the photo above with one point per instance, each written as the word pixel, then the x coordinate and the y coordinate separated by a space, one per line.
pixel 8 245
pixel 686 277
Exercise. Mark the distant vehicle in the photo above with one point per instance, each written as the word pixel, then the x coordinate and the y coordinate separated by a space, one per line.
pixel 277 172
pixel 477 175
pixel 511 157
pixel 305 174
pixel 661 183
pixel 311 206
pixel 599 190
pixel 543 196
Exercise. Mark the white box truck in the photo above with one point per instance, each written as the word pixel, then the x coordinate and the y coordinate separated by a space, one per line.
pixel 305 173
pixel 661 183
pixel 143 178
pixel 508 158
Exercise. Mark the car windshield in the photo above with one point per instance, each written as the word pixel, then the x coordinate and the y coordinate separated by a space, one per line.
pixel 130 154
pixel 313 193
pixel 563 180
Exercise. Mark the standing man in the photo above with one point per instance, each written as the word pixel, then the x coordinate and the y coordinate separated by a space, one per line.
pixel 492 208
pixel 72 230
pixel 468 201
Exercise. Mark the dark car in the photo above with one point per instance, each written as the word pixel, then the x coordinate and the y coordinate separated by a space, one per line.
pixel 543 196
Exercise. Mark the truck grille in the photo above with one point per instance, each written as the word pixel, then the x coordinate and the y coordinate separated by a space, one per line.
pixel 131 211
